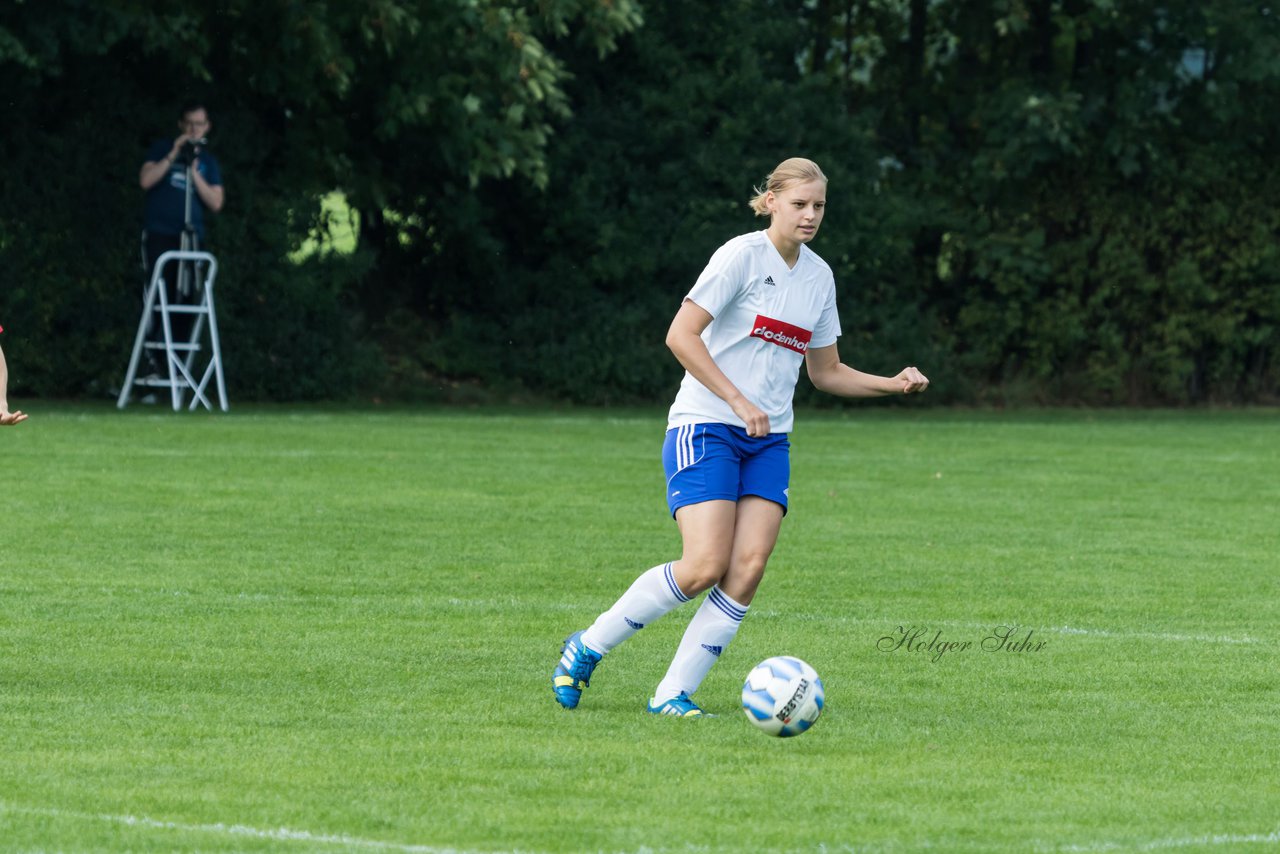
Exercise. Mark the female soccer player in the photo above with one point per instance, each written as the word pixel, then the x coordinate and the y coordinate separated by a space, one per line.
pixel 764 304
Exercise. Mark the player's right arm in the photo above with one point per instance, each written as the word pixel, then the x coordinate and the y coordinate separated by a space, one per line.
pixel 684 339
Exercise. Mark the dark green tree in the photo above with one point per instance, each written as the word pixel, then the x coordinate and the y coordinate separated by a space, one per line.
pixel 1037 200
pixel 406 106
pixel 1093 187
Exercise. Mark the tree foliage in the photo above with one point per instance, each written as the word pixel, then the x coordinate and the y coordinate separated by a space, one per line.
pixel 1106 230
pixel 397 103
pixel 1035 200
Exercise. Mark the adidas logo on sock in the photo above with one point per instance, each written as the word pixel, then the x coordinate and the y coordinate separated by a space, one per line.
pixel 633 624
pixel 714 650
pixel 768 280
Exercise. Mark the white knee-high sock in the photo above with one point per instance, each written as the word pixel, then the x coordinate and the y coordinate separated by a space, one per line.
pixel 649 597
pixel 709 633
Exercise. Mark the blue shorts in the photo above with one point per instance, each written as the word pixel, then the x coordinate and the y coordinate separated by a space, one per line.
pixel 705 462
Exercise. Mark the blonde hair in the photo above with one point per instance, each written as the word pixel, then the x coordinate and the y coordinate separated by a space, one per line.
pixel 794 170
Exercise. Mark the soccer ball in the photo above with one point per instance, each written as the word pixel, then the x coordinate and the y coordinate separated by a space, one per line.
pixel 783 696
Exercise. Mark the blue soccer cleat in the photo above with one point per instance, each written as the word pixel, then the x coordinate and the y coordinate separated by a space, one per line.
pixel 680 706
pixel 573 673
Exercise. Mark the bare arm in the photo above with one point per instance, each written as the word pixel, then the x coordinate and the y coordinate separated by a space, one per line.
pixel 684 339
pixel 153 171
pixel 829 374
pixel 210 194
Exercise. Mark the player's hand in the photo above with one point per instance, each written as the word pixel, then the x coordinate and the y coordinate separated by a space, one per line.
pixel 7 417
pixel 912 380
pixel 752 416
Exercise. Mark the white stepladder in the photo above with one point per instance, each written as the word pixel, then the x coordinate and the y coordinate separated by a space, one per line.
pixel 179 356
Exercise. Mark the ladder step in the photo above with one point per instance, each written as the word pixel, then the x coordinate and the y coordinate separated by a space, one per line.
pixel 156 382
pixel 182 309
pixel 159 345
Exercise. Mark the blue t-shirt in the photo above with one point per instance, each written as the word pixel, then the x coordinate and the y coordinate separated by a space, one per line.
pixel 166 201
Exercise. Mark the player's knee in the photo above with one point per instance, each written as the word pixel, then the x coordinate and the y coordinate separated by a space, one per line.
pixel 744 576
pixel 699 572
pixel 750 563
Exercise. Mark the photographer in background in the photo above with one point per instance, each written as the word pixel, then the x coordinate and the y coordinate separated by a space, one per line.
pixel 164 176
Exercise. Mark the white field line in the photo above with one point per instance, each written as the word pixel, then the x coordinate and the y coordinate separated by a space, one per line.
pixel 1272 838
pixel 891 625
pixel 1160 636
pixel 284 834
pixel 281 834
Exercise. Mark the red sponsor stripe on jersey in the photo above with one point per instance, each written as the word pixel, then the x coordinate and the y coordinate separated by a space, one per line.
pixel 782 333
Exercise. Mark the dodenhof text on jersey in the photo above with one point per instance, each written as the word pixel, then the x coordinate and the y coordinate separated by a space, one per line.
pixel 782 333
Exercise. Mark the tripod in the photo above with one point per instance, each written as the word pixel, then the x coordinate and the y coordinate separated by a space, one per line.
pixel 190 237
pixel 196 271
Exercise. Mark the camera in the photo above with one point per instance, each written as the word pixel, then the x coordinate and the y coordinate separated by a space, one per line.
pixel 191 150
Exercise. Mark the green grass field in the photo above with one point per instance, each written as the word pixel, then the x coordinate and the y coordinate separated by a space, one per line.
pixel 319 630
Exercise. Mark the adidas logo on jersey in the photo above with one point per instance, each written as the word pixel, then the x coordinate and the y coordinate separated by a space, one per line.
pixel 768 280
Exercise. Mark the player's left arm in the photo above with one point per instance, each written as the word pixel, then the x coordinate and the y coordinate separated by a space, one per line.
pixel 829 374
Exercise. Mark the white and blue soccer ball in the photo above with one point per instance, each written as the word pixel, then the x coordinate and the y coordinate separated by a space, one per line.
pixel 783 696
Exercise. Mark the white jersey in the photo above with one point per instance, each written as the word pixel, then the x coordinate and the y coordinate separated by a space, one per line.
pixel 766 317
